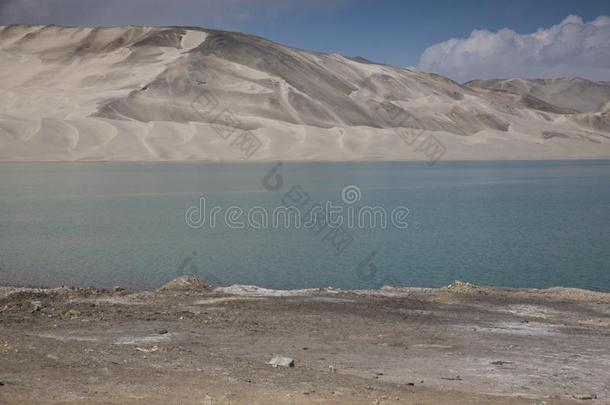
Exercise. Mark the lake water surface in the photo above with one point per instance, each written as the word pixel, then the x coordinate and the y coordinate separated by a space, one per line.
pixel 519 224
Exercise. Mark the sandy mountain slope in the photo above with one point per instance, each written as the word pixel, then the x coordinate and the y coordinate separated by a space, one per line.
pixel 144 93
pixel 574 93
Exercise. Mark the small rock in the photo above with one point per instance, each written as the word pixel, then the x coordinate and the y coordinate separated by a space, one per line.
pixel 280 361
pixel 162 331
pixel 500 362
pixel 585 397
pixel 456 378
pixel 332 369
pixel 151 350
pixel 36 306
pixel 73 313
pixel 410 384
pixel 187 283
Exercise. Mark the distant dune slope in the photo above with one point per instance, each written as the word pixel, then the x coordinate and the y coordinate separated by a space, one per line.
pixel 576 94
pixel 151 93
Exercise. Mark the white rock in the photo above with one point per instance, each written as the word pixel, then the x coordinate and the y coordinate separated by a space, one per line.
pixel 280 361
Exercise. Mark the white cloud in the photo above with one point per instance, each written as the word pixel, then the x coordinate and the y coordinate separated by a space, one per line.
pixel 570 48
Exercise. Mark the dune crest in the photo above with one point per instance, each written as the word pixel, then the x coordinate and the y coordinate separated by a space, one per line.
pixel 156 94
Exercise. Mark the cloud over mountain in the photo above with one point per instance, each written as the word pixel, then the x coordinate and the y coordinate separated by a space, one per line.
pixel 571 48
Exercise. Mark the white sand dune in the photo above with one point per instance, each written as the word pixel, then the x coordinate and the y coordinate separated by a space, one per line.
pixel 153 94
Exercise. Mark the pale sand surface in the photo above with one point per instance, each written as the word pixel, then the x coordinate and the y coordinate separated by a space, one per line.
pixel 156 94
pixel 192 343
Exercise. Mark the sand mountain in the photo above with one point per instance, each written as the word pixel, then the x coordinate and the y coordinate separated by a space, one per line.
pixel 176 93
pixel 575 95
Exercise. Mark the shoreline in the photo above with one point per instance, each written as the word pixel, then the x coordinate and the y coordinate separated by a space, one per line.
pixel 386 290
pixel 188 341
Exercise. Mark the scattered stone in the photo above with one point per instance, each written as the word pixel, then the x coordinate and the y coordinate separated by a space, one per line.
pixel 456 378
pixel 73 313
pixel 501 362
pixel 461 287
pixel 36 306
pixel 187 283
pixel 585 397
pixel 280 361
pixel 151 350
pixel 162 331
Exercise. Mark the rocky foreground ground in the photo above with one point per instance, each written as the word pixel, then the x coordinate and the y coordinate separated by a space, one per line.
pixel 189 342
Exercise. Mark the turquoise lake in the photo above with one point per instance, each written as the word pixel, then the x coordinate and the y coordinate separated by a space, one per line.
pixel 517 224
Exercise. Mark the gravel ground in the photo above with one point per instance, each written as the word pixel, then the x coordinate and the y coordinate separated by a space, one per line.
pixel 189 342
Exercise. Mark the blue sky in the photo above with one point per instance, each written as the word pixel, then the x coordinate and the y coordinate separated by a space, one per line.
pixel 397 32
pixel 391 31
